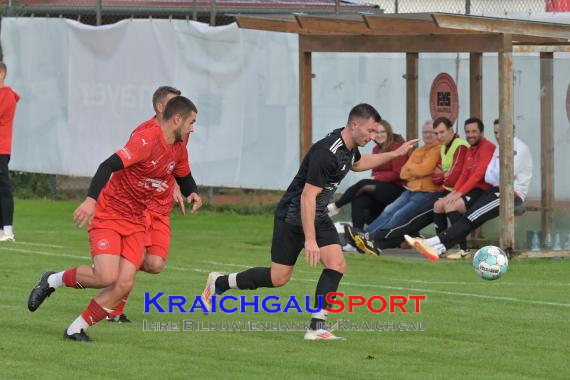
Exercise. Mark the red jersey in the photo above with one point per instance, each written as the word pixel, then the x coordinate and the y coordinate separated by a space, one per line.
pixel 8 100
pixel 161 203
pixel 148 161
pixel 475 166
pixel 390 171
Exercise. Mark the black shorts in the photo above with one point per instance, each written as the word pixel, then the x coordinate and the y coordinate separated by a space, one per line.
pixel 289 240
pixel 471 197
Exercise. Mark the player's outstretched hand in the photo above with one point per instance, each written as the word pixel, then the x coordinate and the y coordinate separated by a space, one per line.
pixel 179 198
pixel 84 213
pixel 312 253
pixel 405 147
pixel 196 202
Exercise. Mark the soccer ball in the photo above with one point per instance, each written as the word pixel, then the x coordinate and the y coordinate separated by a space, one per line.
pixel 490 262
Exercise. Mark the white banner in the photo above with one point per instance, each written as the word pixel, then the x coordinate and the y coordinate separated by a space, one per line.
pixel 84 89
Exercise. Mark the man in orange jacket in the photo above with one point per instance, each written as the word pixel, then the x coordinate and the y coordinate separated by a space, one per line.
pixel 8 100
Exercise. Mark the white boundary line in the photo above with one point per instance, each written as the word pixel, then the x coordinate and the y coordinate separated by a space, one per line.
pixel 38 231
pixel 344 283
pixel 43 253
pixel 39 244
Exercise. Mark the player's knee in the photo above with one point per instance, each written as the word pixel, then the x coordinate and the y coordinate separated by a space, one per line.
pixel 124 285
pixel 153 268
pixel 280 279
pixel 337 265
pixel 154 264
pixel 104 280
pixel 104 276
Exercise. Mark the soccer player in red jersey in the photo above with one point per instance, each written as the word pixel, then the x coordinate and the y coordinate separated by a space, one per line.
pixel 115 212
pixel 157 239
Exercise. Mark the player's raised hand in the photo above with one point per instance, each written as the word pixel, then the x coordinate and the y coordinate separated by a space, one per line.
pixel 405 147
pixel 179 198
pixel 84 213
pixel 312 253
pixel 196 202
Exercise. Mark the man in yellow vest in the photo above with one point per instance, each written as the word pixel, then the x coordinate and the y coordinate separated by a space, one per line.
pixel 452 155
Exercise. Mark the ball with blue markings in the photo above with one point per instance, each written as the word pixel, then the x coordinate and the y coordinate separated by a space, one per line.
pixel 490 262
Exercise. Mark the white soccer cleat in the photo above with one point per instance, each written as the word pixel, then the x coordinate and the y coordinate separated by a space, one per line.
pixel 321 335
pixel 6 237
pixel 332 210
pixel 459 255
pixel 422 247
pixel 349 248
pixel 210 290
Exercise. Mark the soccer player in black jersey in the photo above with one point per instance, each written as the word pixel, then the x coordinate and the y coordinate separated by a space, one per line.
pixel 301 219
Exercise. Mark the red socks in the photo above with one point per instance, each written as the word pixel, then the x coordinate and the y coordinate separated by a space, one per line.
pixel 70 279
pixel 94 313
pixel 119 309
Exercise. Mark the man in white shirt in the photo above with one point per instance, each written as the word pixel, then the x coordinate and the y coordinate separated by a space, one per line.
pixel 487 206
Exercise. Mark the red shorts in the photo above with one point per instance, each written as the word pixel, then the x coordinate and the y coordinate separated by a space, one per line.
pixel 114 238
pixel 157 238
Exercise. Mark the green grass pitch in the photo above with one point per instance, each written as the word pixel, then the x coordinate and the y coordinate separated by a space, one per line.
pixel 513 328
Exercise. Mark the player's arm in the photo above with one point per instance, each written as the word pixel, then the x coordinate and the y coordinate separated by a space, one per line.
pixel 370 161
pixel 493 173
pixel 322 165
pixel 437 176
pixel 523 166
pixel 308 211
pixel 7 104
pixel 84 213
pixel 136 150
pixel 189 189
pixel 178 198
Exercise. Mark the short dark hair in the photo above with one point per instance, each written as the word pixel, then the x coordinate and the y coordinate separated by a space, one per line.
pixel 443 120
pixel 161 93
pixel 496 122
pixel 363 111
pixel 179 105
pixel 3 67
pixel 477 121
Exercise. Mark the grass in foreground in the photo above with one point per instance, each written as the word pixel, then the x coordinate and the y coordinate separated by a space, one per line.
pixel 510 328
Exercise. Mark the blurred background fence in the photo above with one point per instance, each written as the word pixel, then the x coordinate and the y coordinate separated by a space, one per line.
pixel 220 12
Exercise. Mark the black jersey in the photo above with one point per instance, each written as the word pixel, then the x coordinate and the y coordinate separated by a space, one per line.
pixel 325 165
